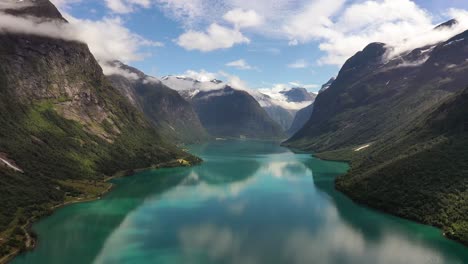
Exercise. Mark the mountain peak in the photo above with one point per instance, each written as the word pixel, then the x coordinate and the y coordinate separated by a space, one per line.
pixel 368 58
pixel 297 95
pixel 448 24
pixel 38 8
pixel 327 84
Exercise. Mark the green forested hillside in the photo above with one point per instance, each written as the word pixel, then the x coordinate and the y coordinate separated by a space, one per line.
pixel 422 174
pixel 65 127
pixel 403 128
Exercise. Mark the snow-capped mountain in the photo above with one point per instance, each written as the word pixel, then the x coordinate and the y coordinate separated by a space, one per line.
pixel 280 104
pixel 225 111
pixel 184 83
pixel 298 95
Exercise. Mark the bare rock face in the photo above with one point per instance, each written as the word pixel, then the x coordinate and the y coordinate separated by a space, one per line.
pixel 174 117
pixel 38 8
pixel 374 96
pixel 62 120
pixel 38 68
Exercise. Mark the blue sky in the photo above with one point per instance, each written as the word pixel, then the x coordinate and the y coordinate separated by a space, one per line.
pixel 268 42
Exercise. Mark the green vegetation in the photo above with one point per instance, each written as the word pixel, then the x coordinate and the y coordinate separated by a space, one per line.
pixel 55 152
pixel 421 174
pixel 66 145
pixel 416 122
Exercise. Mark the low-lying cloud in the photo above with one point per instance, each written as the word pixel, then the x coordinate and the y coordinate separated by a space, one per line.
pixel 108 39
pixel 339 28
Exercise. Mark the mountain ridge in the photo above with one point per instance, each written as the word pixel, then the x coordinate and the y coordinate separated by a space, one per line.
pixel 67 129
pixel 174 117
pixel 401 123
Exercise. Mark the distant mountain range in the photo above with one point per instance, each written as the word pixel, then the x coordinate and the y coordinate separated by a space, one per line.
pixel 65 127
pixel 225 111
pixel 402 123
pixel 281 106
pixel 174 117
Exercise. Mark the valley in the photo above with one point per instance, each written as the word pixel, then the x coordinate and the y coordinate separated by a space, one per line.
pixel 117 146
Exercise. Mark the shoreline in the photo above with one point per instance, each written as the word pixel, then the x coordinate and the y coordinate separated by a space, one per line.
pixel 367 205
pixel 31 238
pixel 414 220
pixel 329 157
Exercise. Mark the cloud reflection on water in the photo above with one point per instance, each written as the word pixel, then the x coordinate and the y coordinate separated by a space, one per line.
pixel 267 213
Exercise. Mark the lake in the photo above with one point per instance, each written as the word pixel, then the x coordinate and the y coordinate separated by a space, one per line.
pixel 249 202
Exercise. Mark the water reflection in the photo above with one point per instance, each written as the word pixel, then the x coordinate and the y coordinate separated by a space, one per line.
pixel 250 202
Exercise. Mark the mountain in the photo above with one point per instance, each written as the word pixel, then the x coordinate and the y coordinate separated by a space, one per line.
pixel 36 8
pixel 298 95
pixel 374 96
pixel 189 87
pixel 303 115
pixel 327 85
pixel 228 112
pixel 174 117
pixel 277 110
pixel 225 111
pixel 401 121
pixel 420 174
pixel 301 118
pixel 63 128
pixel 283 105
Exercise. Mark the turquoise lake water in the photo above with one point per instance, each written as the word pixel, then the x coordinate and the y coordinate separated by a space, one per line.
pixel 249 202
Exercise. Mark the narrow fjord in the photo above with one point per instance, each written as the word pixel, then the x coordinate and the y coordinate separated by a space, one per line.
pixel 198 132
pixel 249 202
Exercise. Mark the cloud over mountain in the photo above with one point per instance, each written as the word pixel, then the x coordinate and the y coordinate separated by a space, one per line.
pixel 339 28
pixel 108 39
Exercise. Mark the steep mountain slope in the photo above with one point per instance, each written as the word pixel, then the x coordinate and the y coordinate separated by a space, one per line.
pixel 229 112
pixel 283 105
pixel 64 127
pixel 277 111
pixel 298 94
pixel 327 85
pixel 402 124
pixel 172 115
pixel 420 174
pixel 373 97
pixel 301 118
pixel 224 111
pixel 303 115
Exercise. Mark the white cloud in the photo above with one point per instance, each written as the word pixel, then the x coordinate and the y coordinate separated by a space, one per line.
pixel 115 69
pixel 243 19
pixel 108 39
pixel 216 37
pixel 313 22
pixel 293 42
pixel 401 24
pixel 235 81
pixel 126 6
pixel 299 64
pixel 240 64
pixel 340 28
pixel 201 76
